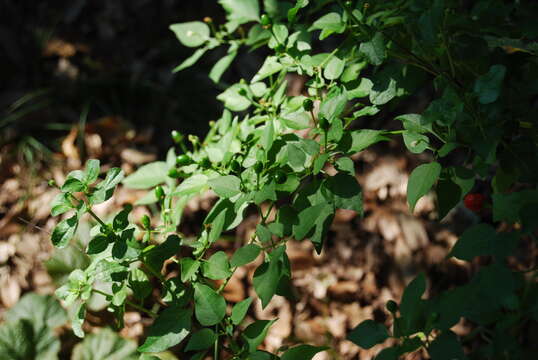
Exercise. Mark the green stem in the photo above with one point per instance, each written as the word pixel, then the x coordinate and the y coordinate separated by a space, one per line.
pixel 128 302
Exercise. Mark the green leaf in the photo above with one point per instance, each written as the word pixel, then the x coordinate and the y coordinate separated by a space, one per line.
pixel 191 34
pixel 245 255
pixel 105 189
pixel 333 105
pixel 217 266
pixel 296 157
pixel 169 329
pixel 415 142
pixel 280 33
pixel 233 100
pixel 358 140
pixel 147 176
pixel 239 311
pixel 226 186
pixel 139 283
pixel 410 308
pixel 105 345
pixel 201 340
pixel 189 267
pixel 267 192
pixel 362 89
pixel 488 86
pixel 43 311
pixel 191 60
pixel 241 11
pixel 157 255
pixel 368 334
pixel 64 231
pixel 64 261
pixel 507 207
pixel 292 13
pixel 98 244
pixel 352 71
pixel 446 347
pixel 19 342
pixel 475 241
pixel 73 185
pixel 448 196
pixel 421 181
pixel 121 220
pixel 345 191
pixel 267 276
pixel 217 226
pixel 77 319
pixel 210 307
pixel 265 280
pixel 390 353
pixel 224 63
pixel 268 136
pixel 91 171
pixel 255 333
pixel 329 23
pixel 270 66
pixel 385 87
pixel 374 50
pixel 309 219
pixel 61 204
pixel 334 68
pixel 319 163
pixel 191 185
pixel 303 352
pixel 263 233
pixel 297 120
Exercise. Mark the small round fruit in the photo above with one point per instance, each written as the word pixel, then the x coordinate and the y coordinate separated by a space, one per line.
pixel 174 173
pixel 308 104
pixel 280 48
pixel 392 306
pixel 474 202
pixel 242 92
pixel 183 160
pixel 280 177
pixel 146 223
pixel 176 136
pixel 205 163
pixel 265 20
pixel 159 192
pixel 258 167
pixel 323 122
pixel 235 166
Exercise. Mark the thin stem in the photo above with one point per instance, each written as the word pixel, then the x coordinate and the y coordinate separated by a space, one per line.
pixel 128 302
pixel 216 347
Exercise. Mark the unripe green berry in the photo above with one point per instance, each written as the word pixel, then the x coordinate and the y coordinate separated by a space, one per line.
pixel 174 173
pixel 392 306
pixel 146 223
pixel 205 163
pixel 323 122
pixel 159 192
pixel 265 20
pixel 235 166
pixel 242 92
pixel 280 177
pixel 280 48
pixel 258 167
pixel 176 136
pixel 308 104
pixel 183 160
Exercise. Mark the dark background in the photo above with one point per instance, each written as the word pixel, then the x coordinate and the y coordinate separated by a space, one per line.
pixel 114 59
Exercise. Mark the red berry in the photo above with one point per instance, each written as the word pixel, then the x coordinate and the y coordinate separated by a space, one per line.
pixel 474 202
